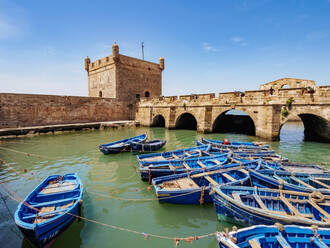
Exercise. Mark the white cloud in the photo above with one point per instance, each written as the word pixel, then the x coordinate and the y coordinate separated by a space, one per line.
pixel 208 48
pixel 239 40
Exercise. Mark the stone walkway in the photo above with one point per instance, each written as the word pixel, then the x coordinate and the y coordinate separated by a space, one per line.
pixel 14 132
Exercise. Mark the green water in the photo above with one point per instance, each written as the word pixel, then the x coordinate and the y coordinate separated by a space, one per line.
pixel 115 176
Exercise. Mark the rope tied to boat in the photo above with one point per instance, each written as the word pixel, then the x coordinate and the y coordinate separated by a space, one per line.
pixel 149 175
pixel 316 196
pixel 189 239
pixel 201 200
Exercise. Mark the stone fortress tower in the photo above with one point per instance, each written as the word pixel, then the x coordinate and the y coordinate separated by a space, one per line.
pixel 123 77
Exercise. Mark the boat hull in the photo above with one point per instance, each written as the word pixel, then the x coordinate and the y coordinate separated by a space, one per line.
pixel 121 145
pixel 275 236
pixel 50 209
pixel 147 146
pixel 232 210
pixel 44 236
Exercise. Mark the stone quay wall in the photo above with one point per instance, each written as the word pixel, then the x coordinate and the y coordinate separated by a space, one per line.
pixel 25 110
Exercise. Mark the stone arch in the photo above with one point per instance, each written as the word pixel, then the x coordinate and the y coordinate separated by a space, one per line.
pixel 228 123
pixel 285 86
pixel 186 120
pixel 316 128
pixel 158 121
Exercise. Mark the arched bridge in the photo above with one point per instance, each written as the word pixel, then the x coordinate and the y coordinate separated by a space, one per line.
pixel 266 111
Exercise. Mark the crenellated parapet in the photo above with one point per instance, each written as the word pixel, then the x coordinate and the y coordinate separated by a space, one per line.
pixel 123 77
pixel 268 109
pixel 280 96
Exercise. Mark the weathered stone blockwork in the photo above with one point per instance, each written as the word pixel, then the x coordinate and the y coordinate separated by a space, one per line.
pixel 265 109
pixel 123 77
pixel 23 110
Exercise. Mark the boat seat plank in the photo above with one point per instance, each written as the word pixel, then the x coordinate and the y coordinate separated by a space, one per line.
pixel 244 171
pixel 186 166
pixel 320 183
pixel 260 202
pixel 175 156
pixel 319 243
pixel 58 187
pixel 282 242
pixel 318 208
pixel 201 164
pixel 206 173
pixel 52 202
pixel 171 167
pixel 228 177
pixel 206 153
pixel 182 183
pixel 237 197
pixel 156 158
pixel 216 161
pixel 302 182
pixel 42 214
pixel 208 178
pixel 254 243
pixel 187 183
pixel 289 205
pixel 45 217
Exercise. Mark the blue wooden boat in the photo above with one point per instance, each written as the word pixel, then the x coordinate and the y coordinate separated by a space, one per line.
pixel 151 170
pixel 121 145
pixel 147 146
pixel 191 152
pixel 194 187
pixel 50 208
pixel 302 182
pixel 252 206
pixel 263 236
pixel 235 145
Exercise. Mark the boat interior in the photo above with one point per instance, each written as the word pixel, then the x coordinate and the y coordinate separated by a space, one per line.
pixel 285 203
pixel 52 198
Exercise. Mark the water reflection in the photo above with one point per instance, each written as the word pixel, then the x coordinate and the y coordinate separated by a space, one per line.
pixel 292 132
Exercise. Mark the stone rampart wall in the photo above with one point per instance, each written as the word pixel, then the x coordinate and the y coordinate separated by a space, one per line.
pixel 23 110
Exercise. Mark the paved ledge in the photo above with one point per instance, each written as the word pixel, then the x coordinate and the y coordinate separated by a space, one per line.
pixel 59 128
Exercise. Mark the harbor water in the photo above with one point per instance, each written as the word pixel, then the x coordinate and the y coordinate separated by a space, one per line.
pixel 113 191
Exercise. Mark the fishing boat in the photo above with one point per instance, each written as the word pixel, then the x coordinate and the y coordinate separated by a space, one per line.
pixel 252 206
pixel 191 152
pixel 121 145
pixel 194 187
pixel 302 182
pixel 151 170
pixel 263 236
pixel 147 146
pixel 50 208
pixel 235 145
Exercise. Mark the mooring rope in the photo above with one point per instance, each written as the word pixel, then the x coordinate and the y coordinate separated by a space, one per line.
pixel 142 199
pixel 176 240
pixel 25 153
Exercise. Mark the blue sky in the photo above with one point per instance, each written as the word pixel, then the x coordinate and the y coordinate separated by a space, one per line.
pixel 208 46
